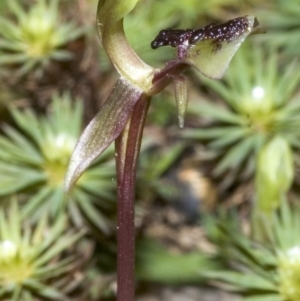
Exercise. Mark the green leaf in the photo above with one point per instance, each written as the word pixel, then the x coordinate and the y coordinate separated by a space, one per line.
pixel 164 162
pixel 236 155
pixel 91 213
pixel 38 200
pixel 155 263
pixel 103 129
pixel 13 222
pixel 284 232
pixel 56 248
pixel 44 290
pixel 54 269
pixel 8 29
pixel 12 58
pixel 211 111
pixel 17 10
pixel 55 232
pixel 28 65
pixel 15 178
pixel 9 45
pixel 16 293
pixel 268 297
pixel 30 151
pixel 27 296
pixel 242 281
pixel 61 55
pixel 230 136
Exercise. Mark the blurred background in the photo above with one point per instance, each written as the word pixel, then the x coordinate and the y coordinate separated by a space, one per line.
pixel 217 214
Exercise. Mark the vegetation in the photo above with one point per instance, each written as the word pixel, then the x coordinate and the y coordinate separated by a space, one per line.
pixel 67 213
pixel 264 271
pixel 35 36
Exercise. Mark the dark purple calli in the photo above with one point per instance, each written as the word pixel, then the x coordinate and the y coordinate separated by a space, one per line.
pixel 122 117
pixel 172 37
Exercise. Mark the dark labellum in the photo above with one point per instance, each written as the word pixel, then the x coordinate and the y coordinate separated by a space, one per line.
pixel 227 31
pixel 200 34
pixel 220 32
pixel 172 37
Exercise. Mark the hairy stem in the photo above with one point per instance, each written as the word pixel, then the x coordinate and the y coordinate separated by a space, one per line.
pixel 127 151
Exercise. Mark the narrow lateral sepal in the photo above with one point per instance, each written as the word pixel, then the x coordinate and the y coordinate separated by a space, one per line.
pixel 181 96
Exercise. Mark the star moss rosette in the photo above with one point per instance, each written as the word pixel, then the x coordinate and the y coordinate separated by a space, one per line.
pixel 268 270
pixel 283 26
pixel 289 274
pixel 32 266
pixel 258 100
pixel 34 159
pixel 34 37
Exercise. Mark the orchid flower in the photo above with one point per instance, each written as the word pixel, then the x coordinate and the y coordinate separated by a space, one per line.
pixel 122 117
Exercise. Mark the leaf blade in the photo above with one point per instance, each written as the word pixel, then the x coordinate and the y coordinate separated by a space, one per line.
pixel 103 129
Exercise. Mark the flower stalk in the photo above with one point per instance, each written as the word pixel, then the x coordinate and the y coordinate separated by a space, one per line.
pixel 127 151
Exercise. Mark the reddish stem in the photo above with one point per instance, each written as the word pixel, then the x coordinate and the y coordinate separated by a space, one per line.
pixel 127 151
